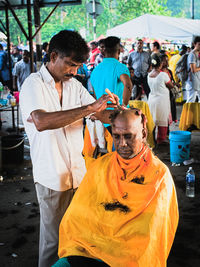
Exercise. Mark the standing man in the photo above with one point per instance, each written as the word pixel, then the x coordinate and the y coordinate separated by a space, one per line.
pixel 111 73
pixel 140 61
pixel 15 56
pixel 53 105
pixel 21 71
pixel 193 81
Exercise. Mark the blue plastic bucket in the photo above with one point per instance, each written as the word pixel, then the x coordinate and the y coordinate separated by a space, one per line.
pixel 179 146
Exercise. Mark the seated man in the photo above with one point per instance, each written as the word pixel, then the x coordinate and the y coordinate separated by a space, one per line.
pixel 125 211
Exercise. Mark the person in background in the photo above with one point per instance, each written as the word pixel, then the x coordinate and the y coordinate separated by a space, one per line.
pixel 125 212
pixel 22 70
pixel 188 49
pixel 148 48
pixel 155 48
pixel 94 51
pixel 134 90
pixel 83 75
pixel 132 48
pixel 164 68
pixel 53 105
pixel 45 54
pixel 181 70
pixel 140 61
pixel 123 56
pixel 193 80
pixel 159 99
pixel 172 65
pixel 113 75
pixel 4 69
pixel 101 55
pixel 131 72
pixel 15 56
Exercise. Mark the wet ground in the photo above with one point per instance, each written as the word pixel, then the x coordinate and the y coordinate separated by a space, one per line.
pixel 19 213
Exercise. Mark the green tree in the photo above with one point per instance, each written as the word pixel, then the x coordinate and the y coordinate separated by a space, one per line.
pixel 115 12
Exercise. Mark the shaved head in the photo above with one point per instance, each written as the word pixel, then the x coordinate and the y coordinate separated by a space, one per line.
pixel 129 132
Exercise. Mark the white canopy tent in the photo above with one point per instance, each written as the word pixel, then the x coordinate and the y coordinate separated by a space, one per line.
pixel 159 27
pixel 2 36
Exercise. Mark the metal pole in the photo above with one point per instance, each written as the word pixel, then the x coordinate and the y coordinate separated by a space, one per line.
pixel 36 9
pixel 94 18
pixel 192 9
pixel 16 18
pixel 30 33
pixel 3 25
pixel 47 18
pixel 8 47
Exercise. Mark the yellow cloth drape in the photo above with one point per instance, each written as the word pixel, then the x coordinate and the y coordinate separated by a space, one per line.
pixel 144 107
pixel 172 65
pixel 190 115
pixel 124 213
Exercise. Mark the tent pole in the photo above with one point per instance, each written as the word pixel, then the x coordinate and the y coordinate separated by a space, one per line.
pixel 192 9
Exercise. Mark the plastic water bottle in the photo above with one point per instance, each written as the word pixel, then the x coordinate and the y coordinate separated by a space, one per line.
pixel 1 90
pixel 190 183
pixel 9 96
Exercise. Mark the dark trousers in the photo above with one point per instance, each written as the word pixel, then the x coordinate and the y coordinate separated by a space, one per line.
pixel 173 106
pixel 141 82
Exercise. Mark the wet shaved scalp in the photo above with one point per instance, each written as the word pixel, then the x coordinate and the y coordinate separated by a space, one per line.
pixel 126 112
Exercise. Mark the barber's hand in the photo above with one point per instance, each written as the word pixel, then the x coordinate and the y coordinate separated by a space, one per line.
pixel 101 104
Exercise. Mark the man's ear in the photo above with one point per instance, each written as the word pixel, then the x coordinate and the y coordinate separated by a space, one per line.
pixel 53 56
pixel 144 133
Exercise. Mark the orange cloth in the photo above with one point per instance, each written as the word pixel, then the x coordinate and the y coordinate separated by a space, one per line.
pixel 144 107
pixel 190 115
pixel 124 212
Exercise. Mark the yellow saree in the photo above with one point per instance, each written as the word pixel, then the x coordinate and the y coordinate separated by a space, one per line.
pixel 124 212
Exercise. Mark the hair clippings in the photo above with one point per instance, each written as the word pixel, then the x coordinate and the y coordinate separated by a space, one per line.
pixel 153 61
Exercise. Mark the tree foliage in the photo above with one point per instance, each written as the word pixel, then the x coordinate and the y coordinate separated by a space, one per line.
pixel 115 12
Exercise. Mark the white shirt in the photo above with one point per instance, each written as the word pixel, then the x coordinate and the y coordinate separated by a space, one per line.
pixel 22 70
pixel 56 154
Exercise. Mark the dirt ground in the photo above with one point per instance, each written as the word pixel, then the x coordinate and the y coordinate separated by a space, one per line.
pixel 19 213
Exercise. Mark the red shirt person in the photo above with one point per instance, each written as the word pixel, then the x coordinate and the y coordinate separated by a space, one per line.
pixel 94 52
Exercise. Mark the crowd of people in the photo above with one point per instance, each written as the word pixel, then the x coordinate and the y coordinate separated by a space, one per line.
pixel 183 74
pixel 20 65
pixel 125 211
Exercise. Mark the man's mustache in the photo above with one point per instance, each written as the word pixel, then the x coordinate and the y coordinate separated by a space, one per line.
pixel 69 75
